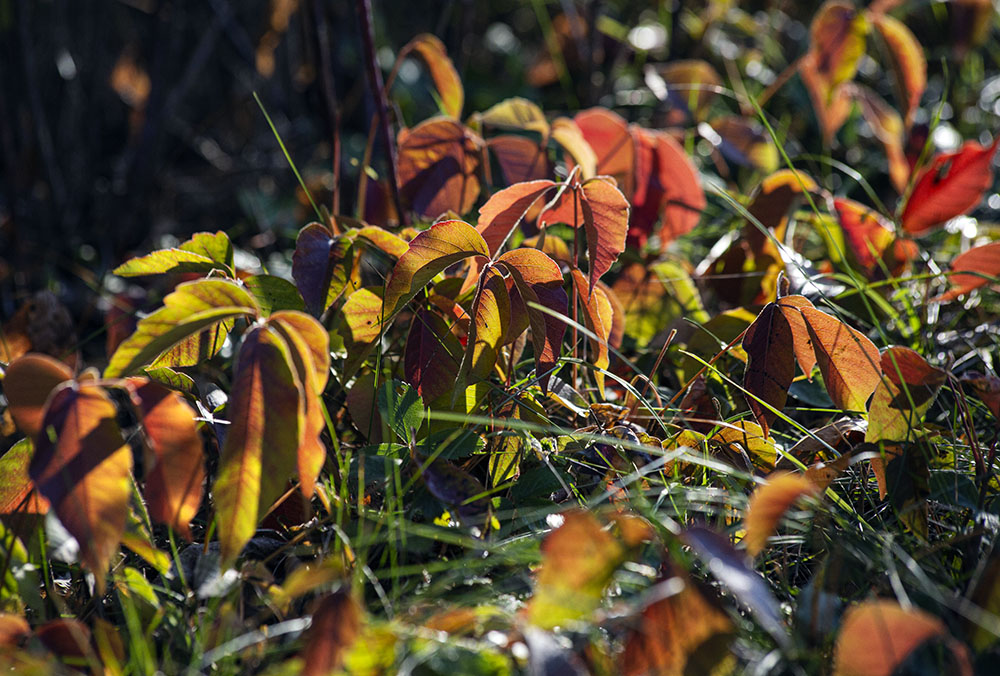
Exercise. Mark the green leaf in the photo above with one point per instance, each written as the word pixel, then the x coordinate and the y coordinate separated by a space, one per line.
pixel 401 409
pixel 191 308
pixel 203 253
pixel 274 294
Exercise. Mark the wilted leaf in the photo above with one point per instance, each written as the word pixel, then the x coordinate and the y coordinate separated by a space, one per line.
pixel 430 252
pixel 908 59
pixel 174 460
pixel 432 356
pixel 192 307
pixel 27 384
pixel 539 280
pixel 258 455
pixel 320 266
pixel 609 136
pixel 439 167
pixel 745 437
pixel 83 468
pixel 987 386
pixel 973 269
pixel 837 35
pixel 506 208
pixel 848 361
pixel 877 636
pixel 681 633
pixel 949 187
pixel 907 389
pixel 433 53
pixel 769 503
pixel 336 623
pixel 578 560
pixel 203 253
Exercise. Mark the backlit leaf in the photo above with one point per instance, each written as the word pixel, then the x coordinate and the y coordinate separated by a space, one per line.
pixel 320 266
pixel 597 316
pixel 570 138
pixel 831 103
pixel 506 208
pixel 516 113
pixel 191 308
pixel 520 158
pixel 360 325
pixel 748 438
pixel 656 296
pixel 745 143
pixel 848 361
pixel 83 469
pixel 449 86
pixel 174 459
pixel 953 184
pixel 770 363
pixel 837 35
pixel 274 294
pixel 609 136
pixel 578 560
pixel 27 384
pixel 430 252
pixel 439 167
pixel 769 503
pixel 203 253
pixel 432 356
pixel 17 490
pixel 973 269
pixel 907 389
pixel 539 280
pixel 257 457
pixel 490 319
pixel 336 623
pixel 692 84
pixel 383 240
pixel 908 59
pixel 888 128
pixel 870 238
pixel 877 636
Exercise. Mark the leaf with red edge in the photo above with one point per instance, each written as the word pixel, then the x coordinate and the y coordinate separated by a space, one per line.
pixel 336 623
pixel 598 317
pixel 320 266
pixel 907 390
pixel 27 383
pixel 258 455
pixel 848 361
pixel 877 636
pixel 908 59
pixel 174 458
pixel 953 184
pixel 309 344
pixel 520 158
pixel 609 136
pixel 871 239
pixel 973 269
pixel 17 490
pixel 439 167
pixel 837 35
pixel 770 364
pixel 432 356
pixel 769 503
pixel 539 280
pixel 84 470
pixel 506 208
pixel 682 632
pixel 667 186
pixel 433 53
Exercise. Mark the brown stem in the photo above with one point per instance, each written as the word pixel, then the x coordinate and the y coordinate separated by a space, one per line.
pixel 381 106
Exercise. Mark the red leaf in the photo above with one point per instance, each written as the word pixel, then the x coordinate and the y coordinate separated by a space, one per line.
pixel 970 268
pixel 335 626
pixel 608 134
pixel 952 185
pixel 871 239
pixel 505 210
pixel 520 158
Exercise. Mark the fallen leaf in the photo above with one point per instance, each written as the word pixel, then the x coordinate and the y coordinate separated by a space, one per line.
pixel 768 505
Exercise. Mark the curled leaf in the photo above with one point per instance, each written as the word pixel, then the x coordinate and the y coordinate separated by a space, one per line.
pixel 433 53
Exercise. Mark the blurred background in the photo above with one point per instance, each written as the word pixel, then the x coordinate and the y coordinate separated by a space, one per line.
pixel 129 124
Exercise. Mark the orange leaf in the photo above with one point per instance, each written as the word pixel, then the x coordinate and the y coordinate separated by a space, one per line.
pixel 871 239
pixel 848 361
pixel 949 187
pixel 438 167
pixel 433 53
pixel 908 59
pixel 258 455
pixel 907 389
pixel 13 630
pixel 838 40
pixel 831 103
pixel 540 281
pixel 597 316
pixel 805 355
pixel 174 458
pixel 85 471
pixel 877 636
pixel 27 384
pixel 770 363
pixel 505 210
pixel 520 158
pixel 973 269
pixel 490 319
pixel 336 623
pixel 608 134
pixel 888 128
pixel 673 632
pixel 769 503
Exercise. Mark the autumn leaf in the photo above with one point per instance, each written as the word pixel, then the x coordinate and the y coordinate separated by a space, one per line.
pixel 27 383
pixel 570 138
pixel 320 266
pixel 889 130
pixel 745 438
pixel 539 281
pixel 433 53
pixel 610 138
pixel 17 491
pixel 837 36
pixel 769 503
pixel 903 396
pixel 438 167
pixel 908 60
pixel 490 319
pixel 174 458
pixel 953 184
pixel 258 457
pixel 203 253
pixel 831 104
pixel 973 269
pixel 506 209
pixel 597 316
pixel 430 252
pixel 877 636
pixel 770 363
pixel 520 159
pixel 191 308
pixel 848 361
pixel 336 623
pixel 84 470
pixel 433 356
pixel 870 238
pixel 744 142
pixel 516 113
pixel 692 84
